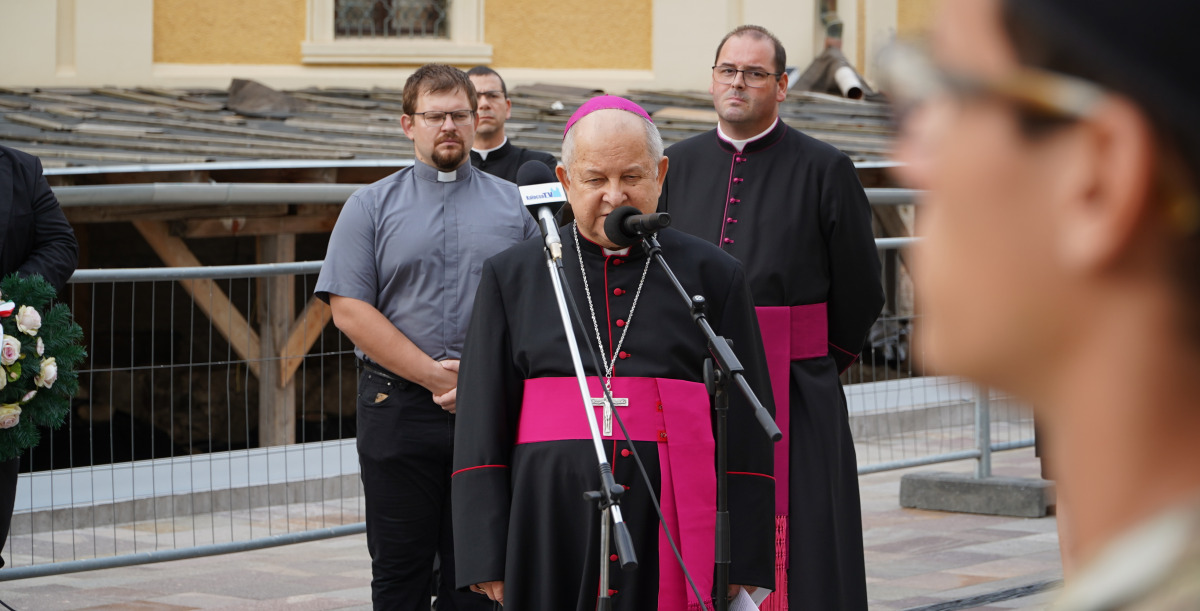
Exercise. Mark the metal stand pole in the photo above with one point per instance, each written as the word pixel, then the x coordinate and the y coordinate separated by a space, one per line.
pixel 983 432
pixel 721 368
pixel 608 496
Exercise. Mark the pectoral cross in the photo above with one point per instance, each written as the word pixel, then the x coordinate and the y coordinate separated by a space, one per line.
pixel 598 401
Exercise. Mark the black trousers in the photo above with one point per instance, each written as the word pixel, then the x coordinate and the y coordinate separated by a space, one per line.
pixel 8 498
pixel 405 448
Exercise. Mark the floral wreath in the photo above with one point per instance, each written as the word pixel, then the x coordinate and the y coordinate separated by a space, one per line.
pixel 38 358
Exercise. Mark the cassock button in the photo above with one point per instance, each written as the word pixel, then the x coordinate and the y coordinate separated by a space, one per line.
pixel 611 592
pixel 616 261
pixel 627 487
pixel 614 558
pixel 737 180
pixel 729 240
pixel 620 323
pixel 734 200
pixel 618 292
pixel 623 354
pixel 626 452
pixel 731 220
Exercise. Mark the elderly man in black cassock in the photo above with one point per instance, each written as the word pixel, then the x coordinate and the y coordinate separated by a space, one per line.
pixel 792 210
pixel 523 454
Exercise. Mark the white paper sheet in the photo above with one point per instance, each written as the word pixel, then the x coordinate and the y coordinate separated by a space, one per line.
pixel 742 602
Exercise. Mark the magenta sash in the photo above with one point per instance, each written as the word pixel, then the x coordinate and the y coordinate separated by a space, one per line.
pixel 789 334
pixel 673 413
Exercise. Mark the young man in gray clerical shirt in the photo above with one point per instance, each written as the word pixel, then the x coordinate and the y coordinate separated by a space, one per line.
pixel 400 276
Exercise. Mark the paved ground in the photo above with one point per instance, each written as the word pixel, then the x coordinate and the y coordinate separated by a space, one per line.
pixel 915 559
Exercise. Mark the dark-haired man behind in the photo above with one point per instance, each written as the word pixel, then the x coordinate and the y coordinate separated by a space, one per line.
pixel 400 276
pixel 492 152
pixel 792 210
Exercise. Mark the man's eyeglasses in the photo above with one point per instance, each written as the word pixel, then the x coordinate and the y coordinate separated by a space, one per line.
pixel 435 118
pixel 725 75
pixel 911 78
pixel 494 96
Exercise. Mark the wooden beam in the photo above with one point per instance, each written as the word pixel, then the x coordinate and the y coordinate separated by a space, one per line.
pixel 208 296
pixel 242 226
pixel 303 334
pixel 276 309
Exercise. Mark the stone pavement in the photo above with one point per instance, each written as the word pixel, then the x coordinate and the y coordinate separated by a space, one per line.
pixel 915 560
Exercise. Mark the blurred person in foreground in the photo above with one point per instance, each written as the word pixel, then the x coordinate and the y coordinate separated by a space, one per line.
pixel 1059 144
pixel 523 454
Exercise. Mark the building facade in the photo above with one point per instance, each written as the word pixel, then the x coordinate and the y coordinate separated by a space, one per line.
pixel 615 44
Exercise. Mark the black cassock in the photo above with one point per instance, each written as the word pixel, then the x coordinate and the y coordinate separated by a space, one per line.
pixel 792 210
pixel 506 160
pixel 519 513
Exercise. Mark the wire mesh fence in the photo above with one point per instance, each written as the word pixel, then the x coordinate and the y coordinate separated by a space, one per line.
pixel 163 448
pixel 175 447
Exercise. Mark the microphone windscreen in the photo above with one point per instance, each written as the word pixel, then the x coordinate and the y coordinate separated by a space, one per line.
pixel 534 173
pixel 614 227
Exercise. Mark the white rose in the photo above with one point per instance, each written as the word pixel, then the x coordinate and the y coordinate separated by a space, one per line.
pixel 3 378
pixel 10 351
pixel 49 373
pixel 28 320
pixel 10 415
pixel 41 347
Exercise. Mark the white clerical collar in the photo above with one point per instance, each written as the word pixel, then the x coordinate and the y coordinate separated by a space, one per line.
pixel 483 153
pixel 450 176
pixel 622 252
pixel 741 144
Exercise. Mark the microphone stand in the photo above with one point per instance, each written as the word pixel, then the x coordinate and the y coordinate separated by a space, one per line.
pixel 607 498
pixel 716 379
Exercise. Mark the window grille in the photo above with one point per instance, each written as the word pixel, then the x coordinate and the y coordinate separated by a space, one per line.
pixel 391 19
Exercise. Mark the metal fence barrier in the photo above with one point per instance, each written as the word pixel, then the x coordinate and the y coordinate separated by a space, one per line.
pixel 160 458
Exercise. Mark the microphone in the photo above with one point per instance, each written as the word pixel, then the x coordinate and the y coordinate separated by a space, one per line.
pixel 543 197
pixel 626 226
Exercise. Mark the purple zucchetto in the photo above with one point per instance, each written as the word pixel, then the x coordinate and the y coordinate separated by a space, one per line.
pixel 605 102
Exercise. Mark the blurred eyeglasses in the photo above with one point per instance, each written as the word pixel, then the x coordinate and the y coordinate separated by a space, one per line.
pixel 435 118
pixel 911 78
pixel 725 75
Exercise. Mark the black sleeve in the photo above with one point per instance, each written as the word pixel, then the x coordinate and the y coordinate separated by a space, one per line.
pixel 489 400
pixel 855 292
pixel 751 453
pixel 52 250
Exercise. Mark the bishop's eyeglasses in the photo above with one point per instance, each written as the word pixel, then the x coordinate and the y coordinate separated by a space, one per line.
pixel 435 118
pixel 725 75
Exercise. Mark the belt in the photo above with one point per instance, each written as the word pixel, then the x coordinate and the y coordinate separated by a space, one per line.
pixel 381 372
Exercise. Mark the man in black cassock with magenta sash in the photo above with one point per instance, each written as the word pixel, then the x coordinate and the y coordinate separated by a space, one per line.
pixel 523 454
pixel 792 210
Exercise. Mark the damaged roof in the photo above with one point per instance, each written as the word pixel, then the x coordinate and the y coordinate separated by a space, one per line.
pixel 110 126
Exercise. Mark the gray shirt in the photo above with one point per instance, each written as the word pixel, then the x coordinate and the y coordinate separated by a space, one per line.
pixel 413 245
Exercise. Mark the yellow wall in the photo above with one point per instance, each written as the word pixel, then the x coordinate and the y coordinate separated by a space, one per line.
pixel 229 31
pixel 614 34
pixel 915 17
